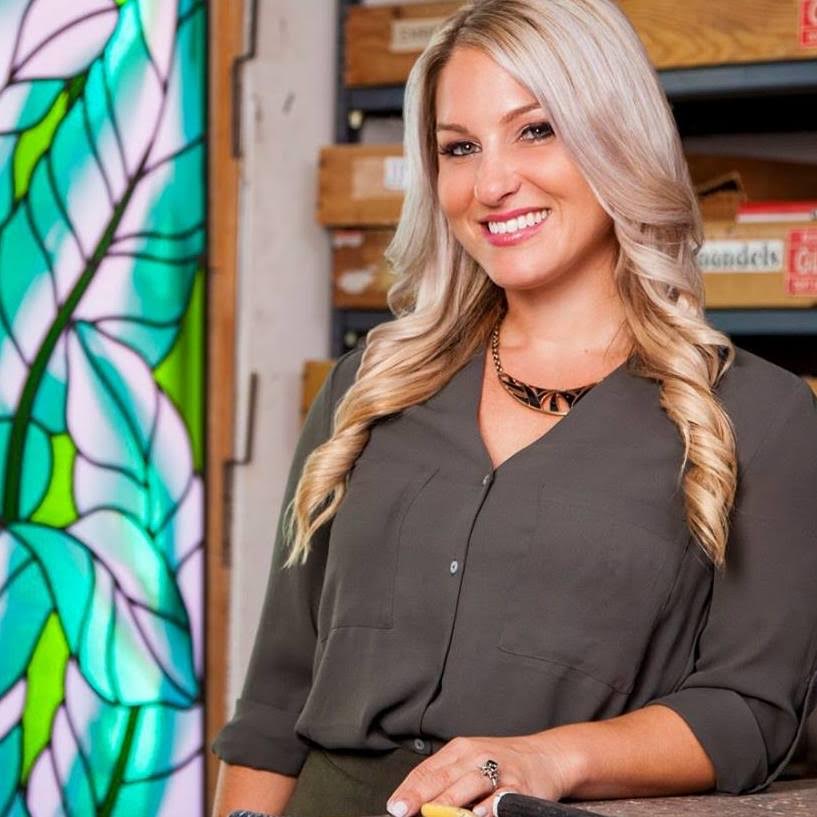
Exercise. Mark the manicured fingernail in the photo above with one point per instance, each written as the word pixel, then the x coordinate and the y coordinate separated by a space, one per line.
pixel 480 811
pixel 397 809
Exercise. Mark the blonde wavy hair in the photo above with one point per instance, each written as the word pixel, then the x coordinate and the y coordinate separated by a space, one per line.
pixel 584 63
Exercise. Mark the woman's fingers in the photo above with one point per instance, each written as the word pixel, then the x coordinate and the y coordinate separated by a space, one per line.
pixel 423 784
pixel 487 807
pixel 468 788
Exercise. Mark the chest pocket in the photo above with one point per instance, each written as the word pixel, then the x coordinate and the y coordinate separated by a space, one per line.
pixel 364 544
pixel 587 596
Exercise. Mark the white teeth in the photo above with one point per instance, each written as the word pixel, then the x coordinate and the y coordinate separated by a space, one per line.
pixel 512 225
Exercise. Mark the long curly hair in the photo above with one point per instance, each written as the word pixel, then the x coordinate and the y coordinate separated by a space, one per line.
pixel 584 63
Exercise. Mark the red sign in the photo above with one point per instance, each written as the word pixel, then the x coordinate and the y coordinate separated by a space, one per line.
pixel 801 269
pixel 808 23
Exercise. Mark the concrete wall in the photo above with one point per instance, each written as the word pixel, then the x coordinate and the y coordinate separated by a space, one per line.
pixel 284 298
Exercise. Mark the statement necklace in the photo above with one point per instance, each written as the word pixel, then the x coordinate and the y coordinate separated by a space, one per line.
pixel 548 401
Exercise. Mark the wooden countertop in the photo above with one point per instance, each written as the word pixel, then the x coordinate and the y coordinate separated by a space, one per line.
pixel 790 798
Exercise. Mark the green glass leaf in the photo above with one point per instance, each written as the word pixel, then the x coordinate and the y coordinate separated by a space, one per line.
pixel 57 508
pixel 181 373
pixel 34 143
pixel 46 672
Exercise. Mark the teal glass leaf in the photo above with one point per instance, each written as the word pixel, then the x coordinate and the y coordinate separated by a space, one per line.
pixel 7 144
pixel 11 752
pixel 68 569
pixel 183 122
pixel 17 808
pixel 36 464
pixel 183 530
pixel 23 104
pixel 167 795
pixel 100 728
pixel 96 486
pixel 190 579
pixel 165 738
pixel 24 591
pixel 125 620
pixel 119 419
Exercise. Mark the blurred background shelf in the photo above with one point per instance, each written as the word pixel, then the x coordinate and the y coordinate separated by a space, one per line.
pixel 730 69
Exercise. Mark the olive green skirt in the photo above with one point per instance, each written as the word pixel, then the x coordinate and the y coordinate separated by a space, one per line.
pixel 349 784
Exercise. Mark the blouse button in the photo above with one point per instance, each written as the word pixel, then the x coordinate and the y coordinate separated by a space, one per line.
pixel 486 479
pixel 454 567
pixel 420 745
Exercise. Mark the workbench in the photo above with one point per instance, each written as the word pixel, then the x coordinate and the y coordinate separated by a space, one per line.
pixel 790 798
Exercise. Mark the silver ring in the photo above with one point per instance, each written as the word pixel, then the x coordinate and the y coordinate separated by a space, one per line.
pixel 490 769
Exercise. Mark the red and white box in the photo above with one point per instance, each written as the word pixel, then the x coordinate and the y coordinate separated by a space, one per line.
pixel 801 267
pixel 808 23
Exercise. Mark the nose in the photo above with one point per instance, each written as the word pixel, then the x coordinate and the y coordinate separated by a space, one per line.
pixel 495 180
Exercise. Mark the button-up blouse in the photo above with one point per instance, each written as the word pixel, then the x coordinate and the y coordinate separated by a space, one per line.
pixel 448 597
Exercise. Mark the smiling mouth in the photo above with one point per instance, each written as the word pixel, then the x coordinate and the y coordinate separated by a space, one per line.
pixel 517 224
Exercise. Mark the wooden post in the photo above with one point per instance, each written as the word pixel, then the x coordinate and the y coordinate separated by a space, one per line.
pixel 226 42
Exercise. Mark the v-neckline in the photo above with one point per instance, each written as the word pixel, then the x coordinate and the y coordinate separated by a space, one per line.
pixel 476 366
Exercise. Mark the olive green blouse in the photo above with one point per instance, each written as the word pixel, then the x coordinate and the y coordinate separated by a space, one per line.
pixel 450 598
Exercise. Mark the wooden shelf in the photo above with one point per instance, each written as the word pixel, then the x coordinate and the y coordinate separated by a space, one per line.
pixel 717 39
pixel 742 254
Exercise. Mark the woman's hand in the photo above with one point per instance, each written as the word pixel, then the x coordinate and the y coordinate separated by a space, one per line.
pixel 539 765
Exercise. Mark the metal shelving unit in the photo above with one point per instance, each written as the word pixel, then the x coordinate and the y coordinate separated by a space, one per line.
pixel 722 99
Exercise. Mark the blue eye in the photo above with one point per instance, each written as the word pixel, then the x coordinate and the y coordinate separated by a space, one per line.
pixel 537 132
pixel 458 149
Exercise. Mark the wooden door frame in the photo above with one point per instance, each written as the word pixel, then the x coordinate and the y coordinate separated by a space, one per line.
pixel 225 44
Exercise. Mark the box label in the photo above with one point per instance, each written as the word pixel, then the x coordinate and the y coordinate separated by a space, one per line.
pixel 394 173
pixel 808 23
pixel 747 255
pixel 410 36
pixel 801 270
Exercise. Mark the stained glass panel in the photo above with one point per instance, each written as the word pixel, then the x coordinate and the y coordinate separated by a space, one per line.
pixel 102 218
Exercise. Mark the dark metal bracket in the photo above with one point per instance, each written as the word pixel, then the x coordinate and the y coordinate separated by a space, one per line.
pixel 237 81
pixel 230 467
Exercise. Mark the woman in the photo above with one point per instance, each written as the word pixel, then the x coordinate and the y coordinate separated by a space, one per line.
pixel 602 587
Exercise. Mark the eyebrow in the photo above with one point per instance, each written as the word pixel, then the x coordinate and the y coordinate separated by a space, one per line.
pixel 508 117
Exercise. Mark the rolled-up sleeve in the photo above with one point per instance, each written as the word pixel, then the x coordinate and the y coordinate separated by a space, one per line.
pixel 753 681
pixel 261 733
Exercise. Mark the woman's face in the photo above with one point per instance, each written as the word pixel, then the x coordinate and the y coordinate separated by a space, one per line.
pixel 511 193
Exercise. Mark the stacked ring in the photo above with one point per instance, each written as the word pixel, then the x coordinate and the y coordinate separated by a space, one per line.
pixel 490 769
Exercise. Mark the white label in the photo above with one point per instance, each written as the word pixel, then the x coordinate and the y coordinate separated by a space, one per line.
pixel 750 255
pixel 409 36
pixel 347 238
pixel 394 173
